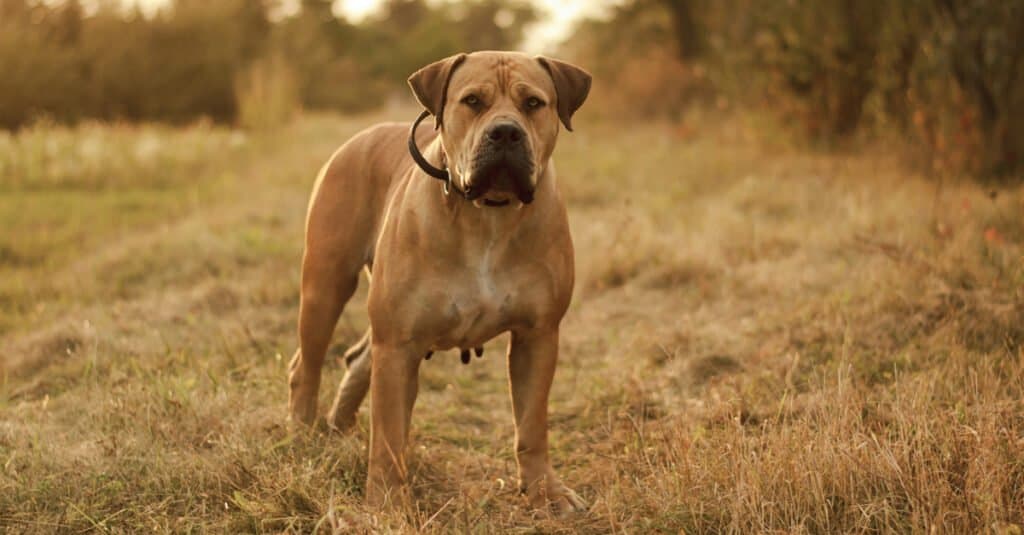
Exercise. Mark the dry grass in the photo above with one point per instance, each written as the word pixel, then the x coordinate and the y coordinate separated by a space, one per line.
pixel 762 340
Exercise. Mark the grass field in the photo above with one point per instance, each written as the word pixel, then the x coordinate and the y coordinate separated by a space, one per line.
pixel 762 339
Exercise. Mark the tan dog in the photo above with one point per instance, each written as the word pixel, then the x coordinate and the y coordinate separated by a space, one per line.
pixel 454 264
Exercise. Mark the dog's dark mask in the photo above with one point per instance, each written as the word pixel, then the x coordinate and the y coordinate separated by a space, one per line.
pixel 503 162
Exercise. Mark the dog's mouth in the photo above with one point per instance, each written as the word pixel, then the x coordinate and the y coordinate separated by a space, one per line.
pixel 500 176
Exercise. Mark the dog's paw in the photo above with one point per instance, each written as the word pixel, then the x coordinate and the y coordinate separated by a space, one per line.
pixel 302 412
pixel 382 497
pixel 341 421
pixel 550 494
pixel 302 397
pixel 566 501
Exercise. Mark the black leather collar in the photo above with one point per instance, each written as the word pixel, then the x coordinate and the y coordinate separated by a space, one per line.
pixel 441 174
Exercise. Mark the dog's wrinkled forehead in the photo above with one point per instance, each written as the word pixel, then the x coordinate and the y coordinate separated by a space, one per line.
pixel 497 75
pixel 501 78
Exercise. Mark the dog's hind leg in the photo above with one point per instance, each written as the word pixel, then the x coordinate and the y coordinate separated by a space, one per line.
pixel 324 294
pixel 354 385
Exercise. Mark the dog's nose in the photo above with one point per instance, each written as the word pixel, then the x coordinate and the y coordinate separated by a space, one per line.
pixel 506 134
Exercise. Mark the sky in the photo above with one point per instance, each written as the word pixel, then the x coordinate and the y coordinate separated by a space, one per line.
pixel 557 17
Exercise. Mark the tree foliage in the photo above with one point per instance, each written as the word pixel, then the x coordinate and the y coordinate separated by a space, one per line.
pixel 945 74
pixel 186 61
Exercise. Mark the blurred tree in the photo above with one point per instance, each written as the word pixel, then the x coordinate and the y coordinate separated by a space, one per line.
pixel 986 50
pixel 637 46
pixel 689 33
pixel 13 12
pixel 408 34
pixel 825 54
pixel 906 24
pixel 251 17
pixel 68 26
pixel 404 15
pixel 945 74
pixel 492 24
pixel 38 63
pixel 185 60
pixel 320 48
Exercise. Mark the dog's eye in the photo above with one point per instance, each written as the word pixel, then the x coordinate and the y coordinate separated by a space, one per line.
pixel 533 103
pixel 471 100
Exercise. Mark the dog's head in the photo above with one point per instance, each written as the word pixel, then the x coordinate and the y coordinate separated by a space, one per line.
pixel 498 113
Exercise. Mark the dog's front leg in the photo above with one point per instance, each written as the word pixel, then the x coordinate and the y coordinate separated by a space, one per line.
pixel 532 357
pixel 393 386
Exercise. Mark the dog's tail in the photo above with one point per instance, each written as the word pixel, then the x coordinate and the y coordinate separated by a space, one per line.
pixel 358 348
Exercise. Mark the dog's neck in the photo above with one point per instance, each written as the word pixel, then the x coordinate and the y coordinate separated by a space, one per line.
pixel 469 217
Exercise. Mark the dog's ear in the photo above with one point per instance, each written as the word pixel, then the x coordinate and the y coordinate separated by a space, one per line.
pixel 430 85
pixel 572 85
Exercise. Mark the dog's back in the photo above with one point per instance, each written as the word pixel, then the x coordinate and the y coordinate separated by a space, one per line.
pixel 352 191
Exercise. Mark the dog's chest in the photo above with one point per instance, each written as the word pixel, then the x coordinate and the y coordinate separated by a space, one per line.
pixel 480 301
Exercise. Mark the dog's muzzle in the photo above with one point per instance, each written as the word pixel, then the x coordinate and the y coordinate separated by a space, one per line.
pixel 502 163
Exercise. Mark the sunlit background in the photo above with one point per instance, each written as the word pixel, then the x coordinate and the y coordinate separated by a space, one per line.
pixel 942 77
pixel 543 34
